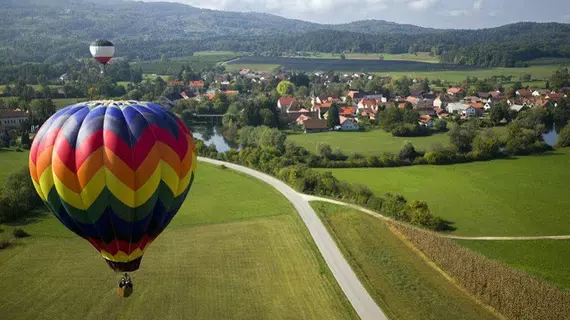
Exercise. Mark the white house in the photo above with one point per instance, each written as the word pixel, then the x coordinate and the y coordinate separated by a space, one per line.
pixel 456 107
pixel 516 107
pixel 488 106
pixel 470 111
pixel 438 103
pixel 347 124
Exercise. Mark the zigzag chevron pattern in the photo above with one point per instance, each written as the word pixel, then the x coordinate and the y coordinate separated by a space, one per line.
pixel 114 172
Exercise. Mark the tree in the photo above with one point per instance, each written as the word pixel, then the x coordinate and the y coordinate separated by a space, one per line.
pixel 486 144
pixel 408 152
pixel 324 150
pixel 41 110
pixel 517 86
pixel 564 136
pixel 187 117
pixel 441 125
pixel 342 56
pixel 285 87
pixel 560 79
pixel 333 117
pixel 461 137
pixel 425 85
pixel 268 118
pixel 498 113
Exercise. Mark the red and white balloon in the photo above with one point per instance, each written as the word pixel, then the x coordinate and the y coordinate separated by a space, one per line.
pixel 102 50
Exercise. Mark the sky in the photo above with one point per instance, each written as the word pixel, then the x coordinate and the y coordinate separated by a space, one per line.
pixel 454 14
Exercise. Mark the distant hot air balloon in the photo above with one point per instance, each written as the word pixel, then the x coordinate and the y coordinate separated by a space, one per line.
pixel 115 173
pixel 102 51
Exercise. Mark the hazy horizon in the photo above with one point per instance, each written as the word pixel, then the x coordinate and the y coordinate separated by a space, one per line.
pixel 444 14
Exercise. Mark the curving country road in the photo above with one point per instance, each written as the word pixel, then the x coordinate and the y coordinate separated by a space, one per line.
pixel 355 292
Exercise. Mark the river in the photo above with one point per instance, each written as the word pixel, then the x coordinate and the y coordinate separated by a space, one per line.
pixel 212 135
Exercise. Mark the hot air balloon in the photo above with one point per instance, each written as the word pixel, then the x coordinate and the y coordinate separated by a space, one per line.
pixel 115 173
pixel 102 51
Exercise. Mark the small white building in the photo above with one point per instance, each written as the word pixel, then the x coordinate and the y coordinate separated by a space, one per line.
pixel 347 124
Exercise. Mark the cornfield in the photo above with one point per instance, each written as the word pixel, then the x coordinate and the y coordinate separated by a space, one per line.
pixel 512 293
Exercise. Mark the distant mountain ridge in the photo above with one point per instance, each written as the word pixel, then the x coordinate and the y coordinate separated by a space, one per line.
pixel 50 31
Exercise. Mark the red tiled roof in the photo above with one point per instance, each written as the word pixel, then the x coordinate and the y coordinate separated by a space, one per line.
pixel 347 111
pixel 231 92
pixel 402 105
pixel 478 105
pixel 175 83
pixel 196 84
pixel 286 101
pixel 368 102
pixel 454 90
pixel 524 92
pixel 554 96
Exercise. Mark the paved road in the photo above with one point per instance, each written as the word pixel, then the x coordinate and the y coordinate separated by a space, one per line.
pixel 363 304
pixel 377 215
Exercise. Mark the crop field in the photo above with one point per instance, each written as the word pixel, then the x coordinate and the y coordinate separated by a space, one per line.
pixel 527 196
pixel 236 250
pixel 420 56
pixel 196 62
pixel 544 259
pixel 397 278
pixel 357 65
pixel 368 143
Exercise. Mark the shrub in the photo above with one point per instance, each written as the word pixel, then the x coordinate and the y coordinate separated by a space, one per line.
pixel 19 150
pixel 486 145
pixel 324 150
pixel 18 196
pixel 223 167
pixel 394 205
pixel 20 233
pixel 564 136
pixel 5 243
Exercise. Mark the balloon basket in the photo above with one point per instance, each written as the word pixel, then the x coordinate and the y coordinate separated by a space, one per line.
pixel 125 286
pixel 125 292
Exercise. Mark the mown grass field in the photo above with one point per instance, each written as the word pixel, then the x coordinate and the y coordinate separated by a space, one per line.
pixel 253 67
pixel 544 259
pixel 12 161
pixel 420 56
pixel 369 143
pixel 527 196
pixel 403 284
pixel 197 62
pixel 236 250
pixel 352 65
pixel 537 72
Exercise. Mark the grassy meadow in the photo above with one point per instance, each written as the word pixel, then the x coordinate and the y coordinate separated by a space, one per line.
pixel 12 161
pixel 527 196
pixel 397 278
pixel 544 259
pixel 368 143
pixel 253 67
pixel 540 72
pixel 236 250
pixel 198 61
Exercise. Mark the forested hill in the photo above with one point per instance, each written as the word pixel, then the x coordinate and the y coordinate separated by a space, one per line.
pixel 50 31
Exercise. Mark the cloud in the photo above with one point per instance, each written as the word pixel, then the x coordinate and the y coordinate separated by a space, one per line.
pixel 422 4
pixel 477 4
pixel 567 17
pixel 455 13
pixel 493 13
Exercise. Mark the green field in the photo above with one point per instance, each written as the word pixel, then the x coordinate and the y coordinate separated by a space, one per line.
pixel 253 67
pixel 527 196
pixel 545 259
pixel 368 143
pixel 421 56
pixel 537 72
pixel 196 62
pixel 236 250
pixel 60 103
pixel 12 161
pixel 397 278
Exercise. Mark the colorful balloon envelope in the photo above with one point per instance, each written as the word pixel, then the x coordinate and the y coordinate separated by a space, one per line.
pixel 115 173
